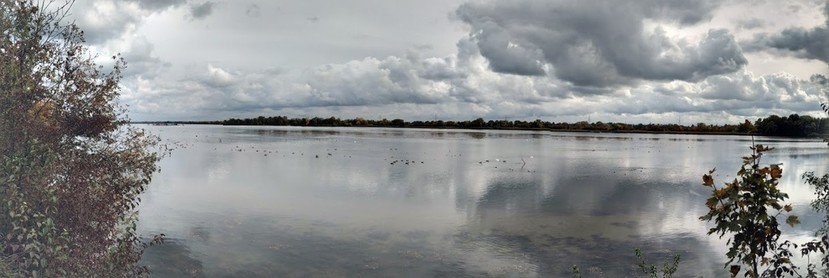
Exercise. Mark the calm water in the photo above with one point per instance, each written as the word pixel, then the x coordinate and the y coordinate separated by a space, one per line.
pixel 332 202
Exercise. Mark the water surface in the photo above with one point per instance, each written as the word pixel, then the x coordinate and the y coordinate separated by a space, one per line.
pixel 369 202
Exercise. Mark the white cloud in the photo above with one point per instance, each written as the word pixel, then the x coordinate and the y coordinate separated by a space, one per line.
pixel 218 77
pixel 652 61
pixel 396 86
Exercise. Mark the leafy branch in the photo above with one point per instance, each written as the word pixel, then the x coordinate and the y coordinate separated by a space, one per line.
pixel 747 209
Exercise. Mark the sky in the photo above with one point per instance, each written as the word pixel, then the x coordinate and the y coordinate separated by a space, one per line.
pixel 633 61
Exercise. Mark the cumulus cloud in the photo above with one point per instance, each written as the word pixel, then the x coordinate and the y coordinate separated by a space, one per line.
pixel 720 99
pixel 103 20
pixel 809 44
pixel 462 87
pixel 628 60
pixel 769 91
pixel 367 82
pixel 138 52
pixel 801 42
pixel 750 23
pixel 201 11
pixel 157 5
pixel 599 43
pixel 218 77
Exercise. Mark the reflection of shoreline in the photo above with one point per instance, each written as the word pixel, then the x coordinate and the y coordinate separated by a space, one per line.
pixel 480 133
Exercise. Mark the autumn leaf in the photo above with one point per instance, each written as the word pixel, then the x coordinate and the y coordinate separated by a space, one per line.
pixel 776 171
pixel 707 180
pixel 734 270
pixel 720 193
pixel 711 203
pixel 792 220
pixel 787 208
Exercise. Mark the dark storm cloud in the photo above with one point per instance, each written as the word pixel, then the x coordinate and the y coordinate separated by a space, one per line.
pixel 800 42
pixel 599 43
pixel 200 11
pixel 505 56
pixel 803 43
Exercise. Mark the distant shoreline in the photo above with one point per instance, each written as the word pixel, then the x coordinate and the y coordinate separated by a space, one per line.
pixel 175 123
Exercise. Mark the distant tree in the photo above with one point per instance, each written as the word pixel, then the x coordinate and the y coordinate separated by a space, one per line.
pixel 793 126
pixel 71 168
pixel 398 123
pixel 359 121
pixel 478 123
pixel 538 124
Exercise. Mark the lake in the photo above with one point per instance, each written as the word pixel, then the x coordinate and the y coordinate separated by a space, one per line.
pixel 374 202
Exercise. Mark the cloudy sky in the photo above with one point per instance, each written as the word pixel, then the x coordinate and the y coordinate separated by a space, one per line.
pixel 663 61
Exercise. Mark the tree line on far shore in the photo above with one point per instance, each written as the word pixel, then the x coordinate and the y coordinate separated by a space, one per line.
pixel 792 126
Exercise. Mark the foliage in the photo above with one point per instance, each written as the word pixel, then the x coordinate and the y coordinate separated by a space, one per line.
pixel 819 204
pixel 4 267
pixel 815 246
pixel 668 268
pixel 576 271
pixel 747 208
pixel 72 168
pixel 821 201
